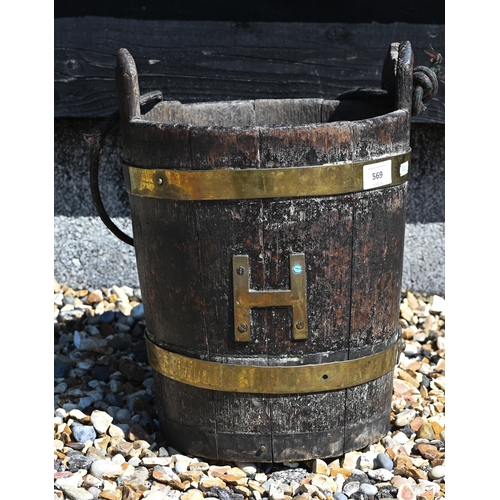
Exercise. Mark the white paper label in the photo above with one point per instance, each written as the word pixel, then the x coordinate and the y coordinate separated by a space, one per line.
pixel 377 174
pixel 403 169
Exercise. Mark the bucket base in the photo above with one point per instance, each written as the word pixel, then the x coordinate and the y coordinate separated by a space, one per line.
pixel 239 427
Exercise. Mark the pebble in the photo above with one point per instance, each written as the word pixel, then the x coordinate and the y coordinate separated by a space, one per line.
pixel 286 476
pixel 351 459
pixel 425 431
pixel 83 433
pixel 384 461
pixel 108 442
pixel 192 495
pixel 381 475
pixel 405 417
pixel 77 493
pixel 319 467
pixel 406 492
pixel 339 496
pixel 105 469
pixel 369 489
pixel 350 488
pixel 437 304
pixel 101 421
pixel 276 491
pixel 72 480
pixel 116 431
pixel 78 462
pixel 180 467
pixel 137 312
pixel 400 437
pixel 155 495
pixel 437 472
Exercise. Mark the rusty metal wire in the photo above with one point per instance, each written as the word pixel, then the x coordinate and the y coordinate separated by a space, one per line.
pixel 425 86
pixel 426 82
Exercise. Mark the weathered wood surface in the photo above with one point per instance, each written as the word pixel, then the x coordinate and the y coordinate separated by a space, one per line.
pixel 353 245
pixel 196 61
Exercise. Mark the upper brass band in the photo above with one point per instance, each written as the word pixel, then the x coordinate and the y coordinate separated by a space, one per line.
pixel 230 184
pixel 272 379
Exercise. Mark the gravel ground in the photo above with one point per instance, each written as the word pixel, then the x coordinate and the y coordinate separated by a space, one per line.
pixel 108 444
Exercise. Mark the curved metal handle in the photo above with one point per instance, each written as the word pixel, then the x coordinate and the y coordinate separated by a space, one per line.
pixel 95 142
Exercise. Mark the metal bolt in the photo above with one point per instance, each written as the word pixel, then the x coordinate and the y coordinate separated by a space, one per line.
pixel 240 270
pixel 242 327
pixel 299 325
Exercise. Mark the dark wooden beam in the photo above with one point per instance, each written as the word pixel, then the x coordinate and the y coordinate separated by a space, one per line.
pixel 195 61
pixel 312 11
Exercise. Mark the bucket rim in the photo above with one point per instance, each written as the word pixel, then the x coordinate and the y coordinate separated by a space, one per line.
pixel 143 121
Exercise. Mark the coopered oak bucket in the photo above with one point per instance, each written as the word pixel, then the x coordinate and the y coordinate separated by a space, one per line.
pixel 269 240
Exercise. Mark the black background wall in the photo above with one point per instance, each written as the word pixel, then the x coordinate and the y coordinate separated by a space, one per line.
pixel 313 11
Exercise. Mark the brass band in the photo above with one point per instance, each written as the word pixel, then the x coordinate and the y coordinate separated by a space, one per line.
pixel 272 379
pixel 227 184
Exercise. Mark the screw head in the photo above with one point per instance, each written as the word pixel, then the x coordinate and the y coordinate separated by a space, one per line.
pixel 242 327
pixel 299 325
pixel 240 270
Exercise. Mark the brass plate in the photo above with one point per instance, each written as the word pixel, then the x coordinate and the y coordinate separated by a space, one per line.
pixel 245 299
pixel 272 379
pixel 227 184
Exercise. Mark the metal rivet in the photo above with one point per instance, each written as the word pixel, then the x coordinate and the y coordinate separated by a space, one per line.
pixel 262 449
pixel 159 180
pixel 240 270
pixel 242 327
pixel 299 325
pixel 297 268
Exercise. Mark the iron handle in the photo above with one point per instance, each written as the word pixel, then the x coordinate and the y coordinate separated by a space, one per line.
pixel 95 141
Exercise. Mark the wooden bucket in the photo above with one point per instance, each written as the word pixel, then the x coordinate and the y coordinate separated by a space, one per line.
pixel 269 239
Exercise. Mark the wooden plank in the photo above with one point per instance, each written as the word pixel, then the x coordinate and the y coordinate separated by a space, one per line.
pixel 196 61
pixel 366 415
pixel 355 11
